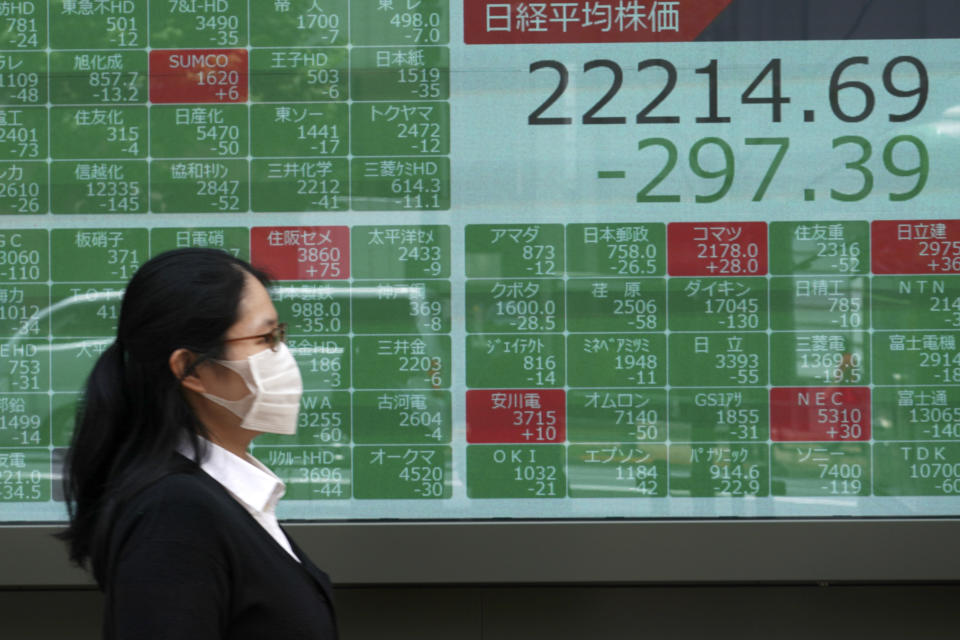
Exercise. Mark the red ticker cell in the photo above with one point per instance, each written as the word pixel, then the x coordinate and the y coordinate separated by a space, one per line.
pixel 301 253
pixel 915 246
pixel 516 415
pixel 198 76
pixel 518 22
pixel 717 248
pixel 820 414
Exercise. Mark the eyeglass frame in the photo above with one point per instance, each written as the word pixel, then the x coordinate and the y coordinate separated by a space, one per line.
pixel 274 337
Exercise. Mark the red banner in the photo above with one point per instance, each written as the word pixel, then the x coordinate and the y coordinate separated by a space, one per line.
pixel 198 75
pixel 301 253
pixel 819 414
pixel 915 246
pixel 514 22
pixel 516 415
pixel 717 248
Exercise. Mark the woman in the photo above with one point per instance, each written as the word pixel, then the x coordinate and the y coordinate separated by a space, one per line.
pixel 174 516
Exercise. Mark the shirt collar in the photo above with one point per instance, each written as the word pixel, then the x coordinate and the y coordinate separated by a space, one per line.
pixel 247 479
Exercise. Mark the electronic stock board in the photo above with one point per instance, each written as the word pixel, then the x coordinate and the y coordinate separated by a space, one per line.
pixel 540 260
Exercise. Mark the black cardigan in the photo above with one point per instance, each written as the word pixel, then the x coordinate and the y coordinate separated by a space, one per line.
pixel 187 561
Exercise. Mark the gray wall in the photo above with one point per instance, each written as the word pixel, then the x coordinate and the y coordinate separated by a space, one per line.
pixel 801 612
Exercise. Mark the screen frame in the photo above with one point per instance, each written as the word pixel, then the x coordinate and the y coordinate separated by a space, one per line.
pixel 575 552
pixel 618 551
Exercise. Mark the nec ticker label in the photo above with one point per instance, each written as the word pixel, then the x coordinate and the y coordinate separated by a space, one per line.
pixel 631 268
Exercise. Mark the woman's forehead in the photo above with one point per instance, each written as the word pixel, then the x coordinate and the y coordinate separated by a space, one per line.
pixel 256 308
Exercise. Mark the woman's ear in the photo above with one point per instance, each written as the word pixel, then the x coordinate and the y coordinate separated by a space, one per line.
pixel 181 365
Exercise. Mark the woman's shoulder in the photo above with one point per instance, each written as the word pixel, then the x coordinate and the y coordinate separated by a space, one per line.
pixel 183 478
pixel 184 481
pixel 182 503
pixel 176 523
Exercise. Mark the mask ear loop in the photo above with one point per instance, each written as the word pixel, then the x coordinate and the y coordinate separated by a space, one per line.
pixel 200 359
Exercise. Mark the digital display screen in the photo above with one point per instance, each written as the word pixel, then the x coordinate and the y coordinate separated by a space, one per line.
pixel 538 259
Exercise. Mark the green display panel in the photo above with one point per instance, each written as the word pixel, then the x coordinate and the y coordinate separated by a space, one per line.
pixel 292 130
pixel 616 304
pixel 407 252
pixel 302 23
pixel 720 470
pixel 617 471
pixel 22 304
pixel 397 73
pixel 233 240
pixel 720 414
pixel 616 360
pixel 300 185
pixel 24 134
pixel 820 248
pixel 402 472
pixel 819 303
pixel 536 260
pixel 719 304
pixel 512 471
pixel 26 187
pixel 298 75
pixel 208 186
pixel 403 416
pixel 616 415
pixel 820 470
pixel 310 473
pixel 314 308
pixel 916 469
pixel 324 362
pixel 198 24
pixel 400 362
pixel 97 255
pixel 85 310
pixel 98 78
pixel 109 26
pixel 24 419
pixel 526 250
pixel 404 307
pixel 820 358
pixel 616 249
pixel 112 132
pixel 411 23
pixel 514 305
pixel 399 183
pixel 26 474
pixel 199 131
pixel 727 359
pixel 26 30
pixel 915 413
pixel 115 186
pixel 507 360
pixel 917 302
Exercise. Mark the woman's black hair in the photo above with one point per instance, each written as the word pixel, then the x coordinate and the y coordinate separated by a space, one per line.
pixel 133 414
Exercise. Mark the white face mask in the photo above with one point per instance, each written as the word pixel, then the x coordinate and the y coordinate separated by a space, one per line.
pixel 273 378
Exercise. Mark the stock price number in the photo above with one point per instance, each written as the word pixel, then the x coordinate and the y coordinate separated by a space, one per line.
pixel 772 71
pixel 712 158
pixel 918 168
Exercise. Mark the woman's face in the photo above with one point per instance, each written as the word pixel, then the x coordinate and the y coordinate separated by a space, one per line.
pixel 256 316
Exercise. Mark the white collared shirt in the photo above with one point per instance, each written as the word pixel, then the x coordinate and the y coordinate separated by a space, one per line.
pixel 250 483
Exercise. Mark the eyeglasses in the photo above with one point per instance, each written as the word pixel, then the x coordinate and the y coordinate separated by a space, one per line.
pixel 273 337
